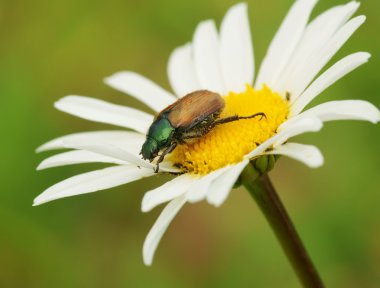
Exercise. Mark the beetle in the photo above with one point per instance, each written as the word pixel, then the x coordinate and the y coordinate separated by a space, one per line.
pixel 190 117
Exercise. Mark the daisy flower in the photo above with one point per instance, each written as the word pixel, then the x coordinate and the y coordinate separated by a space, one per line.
pixel 221 61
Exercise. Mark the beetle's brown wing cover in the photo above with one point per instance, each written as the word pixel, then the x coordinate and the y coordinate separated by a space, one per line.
pixel 193 108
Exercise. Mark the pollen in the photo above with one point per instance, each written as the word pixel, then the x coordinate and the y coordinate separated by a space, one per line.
pixel 228 143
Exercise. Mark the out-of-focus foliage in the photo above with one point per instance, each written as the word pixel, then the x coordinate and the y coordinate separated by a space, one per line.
pixel 53 48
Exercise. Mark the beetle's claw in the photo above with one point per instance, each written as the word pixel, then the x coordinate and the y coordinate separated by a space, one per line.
pixel 263 116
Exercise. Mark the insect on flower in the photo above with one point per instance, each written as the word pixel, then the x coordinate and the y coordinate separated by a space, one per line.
pixel 190 117
pixel 288 80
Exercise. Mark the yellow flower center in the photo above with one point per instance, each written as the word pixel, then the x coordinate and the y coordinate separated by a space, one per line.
pixel 228 143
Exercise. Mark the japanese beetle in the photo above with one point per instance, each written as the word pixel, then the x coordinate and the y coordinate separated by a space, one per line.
pixel 190 117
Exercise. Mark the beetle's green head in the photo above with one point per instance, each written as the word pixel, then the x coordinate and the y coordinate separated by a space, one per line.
pixel 149 149
pixel 159 136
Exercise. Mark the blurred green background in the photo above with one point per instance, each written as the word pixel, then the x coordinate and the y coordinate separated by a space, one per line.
pixel 53 48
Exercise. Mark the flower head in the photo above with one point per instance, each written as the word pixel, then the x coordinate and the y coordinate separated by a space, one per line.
pixel 221 62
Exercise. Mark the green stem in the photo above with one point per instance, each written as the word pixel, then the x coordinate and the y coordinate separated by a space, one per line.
pixel 262 190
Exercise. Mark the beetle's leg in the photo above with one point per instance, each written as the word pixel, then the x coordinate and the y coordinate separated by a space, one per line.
pixel 205 128
pixel 162 156
pixel 237 117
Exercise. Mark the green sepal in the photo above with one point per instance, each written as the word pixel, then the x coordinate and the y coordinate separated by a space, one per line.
pixel 264 163
pixel 260 166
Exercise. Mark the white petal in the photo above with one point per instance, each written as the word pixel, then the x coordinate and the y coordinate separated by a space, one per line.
pixel 285 42
pixel 76 157
pixel 288 129
pixel 92 182
pixel 221 187
pixel 333 74
pixel 317 33
pixel 118 152
pixel 206 57
pixel 104 112
pixel 236 49
pixel 167 192
pixel 307 154
pixel 199 189
pixel 132 145
pixel 345 110
pixel 155 234
pixel 181 71
pixel 327 51
pixel 89 137
pixel 141 88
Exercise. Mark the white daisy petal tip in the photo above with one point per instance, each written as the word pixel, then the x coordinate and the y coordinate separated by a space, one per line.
pixel 217 202
pixel 113 78
pixel 148 261
pixel 284 42
pixel 39 200
pixel 206 53
pixel 242 5
pixel 41 166
pixel 140 88
pixel 145 207
pixel 76 157
pixel 93 181
pixel 236 49
pixel 345 110
pixel 157 231
pixel 367 55
pixel 117 79
pixel 364 55
pixel 358 20
pixel 205 25
pixel 147 204
pixel 376 117
pixel 370 112
pixel 104 112
pixel 58 104
pixel 36 202
pixel 238 9
pixel 307 154
pixel 353 5
pixel 42 148
pixel 181 70
pixel 90 137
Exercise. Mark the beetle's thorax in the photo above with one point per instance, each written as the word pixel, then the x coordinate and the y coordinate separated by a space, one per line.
pixel 161 130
